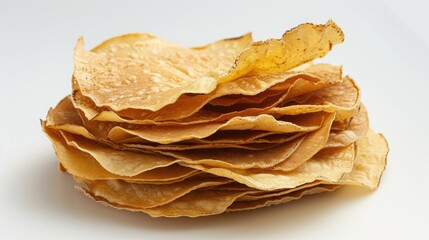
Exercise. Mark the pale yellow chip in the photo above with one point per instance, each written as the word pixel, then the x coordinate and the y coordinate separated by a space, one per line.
pixel 297 46
pixel 313 142
pixel 238 158
pixel 370 161
pixel 269 194
pixel 338 161
pixel 342 98
pixel 356 129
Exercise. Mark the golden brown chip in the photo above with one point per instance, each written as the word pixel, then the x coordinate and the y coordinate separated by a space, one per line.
pixel 294 195
pixel 83 165
pixel 195 204
pixel 243 137
pixel 113 160
pixel 284 157
pixel 207 202
pixel 184 147
pixel 235 99
pixel 113 76
pixel 261 143
pixel 101 130
pixel 146 195
pixel 57 118
pixel 116 133
pixel 128 163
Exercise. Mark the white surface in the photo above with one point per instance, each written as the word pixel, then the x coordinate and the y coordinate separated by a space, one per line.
pixel 385 51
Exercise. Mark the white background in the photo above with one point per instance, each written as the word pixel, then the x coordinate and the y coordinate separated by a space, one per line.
pixel 385 51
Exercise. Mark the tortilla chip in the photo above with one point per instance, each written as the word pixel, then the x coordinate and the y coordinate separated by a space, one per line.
pixel 112 78
pixel 185 147
pixel 123 163
pixel 313 143
pixel 83 165
pixel 297 46
pixel 338 161
pixel 171 134
pixel 269 194
pixel 195 204
pixel 235 99
pixel 146 195
pixel 239 158
pixel 293 195
pixel 209 202
pixel 370 161
pixel 356 129
pixel 244 137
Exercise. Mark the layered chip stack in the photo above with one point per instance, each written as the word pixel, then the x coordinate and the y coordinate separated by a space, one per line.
pixel 171 131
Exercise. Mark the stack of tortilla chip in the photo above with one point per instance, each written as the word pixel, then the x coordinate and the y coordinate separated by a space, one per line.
pixel 155 127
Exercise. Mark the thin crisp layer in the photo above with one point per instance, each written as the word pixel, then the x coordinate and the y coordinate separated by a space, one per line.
pixel 83 165
pixel 266 202
pixel 370 161
pixel 338 161
pixel 147 195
